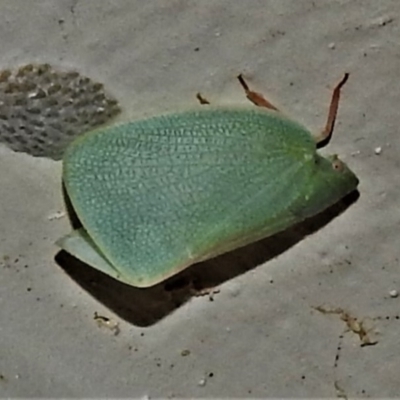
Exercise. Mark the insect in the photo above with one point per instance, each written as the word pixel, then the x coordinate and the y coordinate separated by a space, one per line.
pixel 157 195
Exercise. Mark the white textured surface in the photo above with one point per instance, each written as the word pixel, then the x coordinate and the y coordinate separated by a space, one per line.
pixel 260 336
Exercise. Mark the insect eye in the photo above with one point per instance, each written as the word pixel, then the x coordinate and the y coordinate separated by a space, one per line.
pixel 337 165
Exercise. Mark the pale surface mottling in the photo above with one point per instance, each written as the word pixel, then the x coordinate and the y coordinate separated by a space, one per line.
pixel 260 336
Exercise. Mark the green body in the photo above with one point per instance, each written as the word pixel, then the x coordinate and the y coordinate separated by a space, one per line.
pixel 157 195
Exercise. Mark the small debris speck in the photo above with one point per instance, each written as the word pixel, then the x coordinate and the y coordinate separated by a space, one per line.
pixel 202 382
pixel 185 353
pixel 394 293
pixel 56 215
pixel 378 150
pixel 105 322
pixel 382 21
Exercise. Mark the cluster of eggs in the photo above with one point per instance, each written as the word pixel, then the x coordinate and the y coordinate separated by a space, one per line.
pixel 42 109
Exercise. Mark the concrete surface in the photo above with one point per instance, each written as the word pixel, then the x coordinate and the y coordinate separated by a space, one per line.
pixel 262 335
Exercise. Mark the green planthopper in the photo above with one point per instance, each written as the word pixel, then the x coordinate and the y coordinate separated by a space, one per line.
pixel 157 195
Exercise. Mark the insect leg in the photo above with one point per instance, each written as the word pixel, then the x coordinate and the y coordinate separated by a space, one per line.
pixel 325 135
pixel 256 98
pixel 202 100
